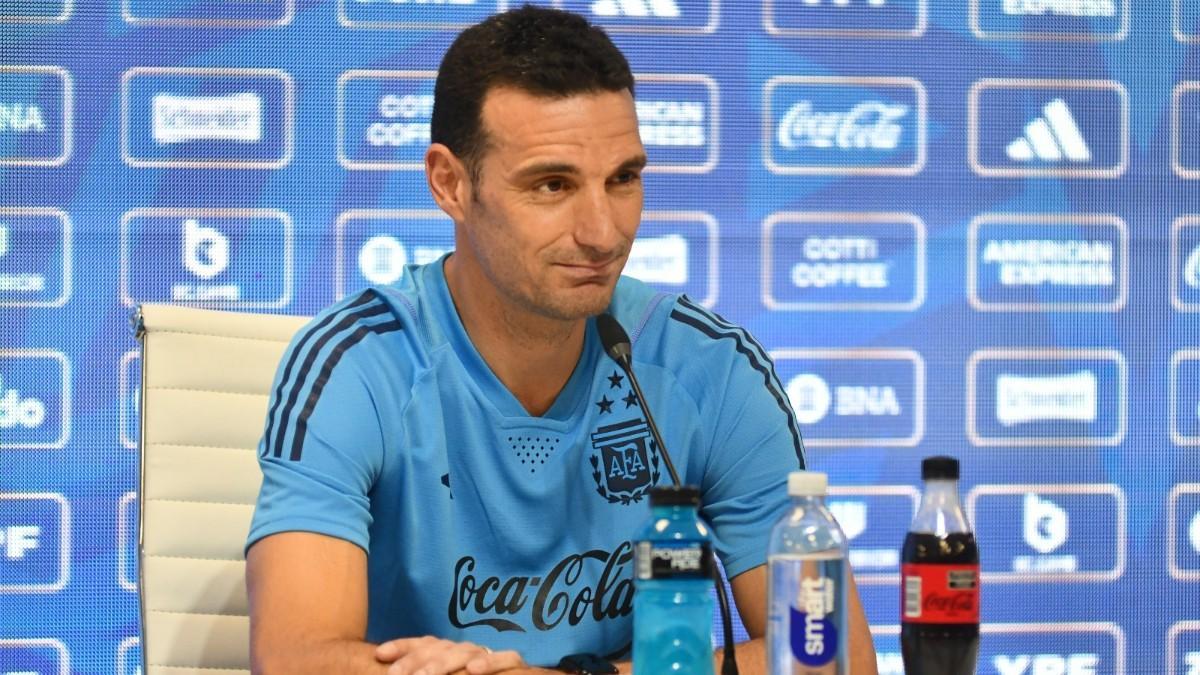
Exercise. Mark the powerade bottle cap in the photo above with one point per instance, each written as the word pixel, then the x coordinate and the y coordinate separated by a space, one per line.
pixel 807 484
pixel 939 468
pixel 670 495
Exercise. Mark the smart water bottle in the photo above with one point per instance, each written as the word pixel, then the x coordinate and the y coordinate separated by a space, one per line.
pixel 808 627
pixel 672 601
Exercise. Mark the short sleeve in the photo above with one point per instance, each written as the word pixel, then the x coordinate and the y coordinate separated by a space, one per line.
pixel 754 440
pixel 322 448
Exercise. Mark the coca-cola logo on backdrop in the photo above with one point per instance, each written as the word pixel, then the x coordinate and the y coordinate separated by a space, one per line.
pixel 873 125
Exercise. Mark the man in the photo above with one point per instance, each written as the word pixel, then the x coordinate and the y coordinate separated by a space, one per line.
pixel 453 469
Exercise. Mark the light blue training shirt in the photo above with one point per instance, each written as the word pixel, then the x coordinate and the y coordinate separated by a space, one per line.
pixel 482 523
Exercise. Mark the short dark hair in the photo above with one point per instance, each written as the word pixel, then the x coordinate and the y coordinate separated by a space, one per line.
pixel 545 52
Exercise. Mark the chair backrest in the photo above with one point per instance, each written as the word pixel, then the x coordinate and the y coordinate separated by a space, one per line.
pixel 206 377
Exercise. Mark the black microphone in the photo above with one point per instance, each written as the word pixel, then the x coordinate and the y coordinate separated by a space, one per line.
pixel 616 344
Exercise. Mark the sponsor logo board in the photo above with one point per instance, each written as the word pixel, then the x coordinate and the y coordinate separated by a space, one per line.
pixel 207 118
pixel 129 656
pixel 127 537
pixel 209 13
pixel 844 125
pixel 383 118
pixel 35 257
pixel 1050 533
pixel 838 394
pixel 678 122
pixel 1043 397
pixel 830 261
pixel 648 16
pixel 35 399
pixel 1185 20
pixel 1084 20
pixel 1184 397
pixel 875 519
pixel 1183 648
pixel 34 656
pixel 130 391
pixel 674 251
pixel 1183 532
pixel 846 18
pixel 1084 648
pixel 35 542
pixel 417 14
pixel 1185 263
pixel 1185 129
pixel 36 108
pixel 42 11
pixel 1048 263
pixel 226 258
pixel 1048 128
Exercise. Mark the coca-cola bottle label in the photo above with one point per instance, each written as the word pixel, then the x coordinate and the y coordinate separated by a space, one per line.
pixel 940 593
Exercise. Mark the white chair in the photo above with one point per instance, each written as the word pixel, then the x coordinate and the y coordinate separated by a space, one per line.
pixel 206 377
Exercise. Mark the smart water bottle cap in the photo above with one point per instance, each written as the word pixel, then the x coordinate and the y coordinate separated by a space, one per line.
pixel 939 468
pixel 807 484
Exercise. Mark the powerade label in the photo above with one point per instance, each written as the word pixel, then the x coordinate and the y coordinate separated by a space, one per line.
pixel 674 560
pixel 812 632
pixel 940 593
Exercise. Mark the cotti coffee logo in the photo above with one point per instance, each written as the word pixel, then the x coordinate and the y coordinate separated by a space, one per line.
pixel 1048 128
pixel 233 258
pixel 1051 533
pixel 677 119
pixel 844 125
pixel 846 18
pixel 209 13
pixel 35 257
pixel 207 118
pixel 1032 397
pixel 648 16
pixel 417 14
pixel 35 542
pixel 36 104
pixel 1087 20
pixel 837 395
pixel 1048 263
pixel 829 261
pixel 383 118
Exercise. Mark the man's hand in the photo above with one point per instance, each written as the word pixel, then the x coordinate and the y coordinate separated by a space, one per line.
pixel 434 656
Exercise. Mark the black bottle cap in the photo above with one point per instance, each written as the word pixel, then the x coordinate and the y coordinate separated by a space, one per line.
pixel 669 495
pixel 939 468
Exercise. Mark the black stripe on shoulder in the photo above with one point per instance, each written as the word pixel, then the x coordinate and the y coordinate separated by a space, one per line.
pixel 326 371
pixel 756 362
pixel 363 299
pixel 369 309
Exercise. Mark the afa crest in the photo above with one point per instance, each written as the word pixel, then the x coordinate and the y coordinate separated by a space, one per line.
pixel 625 461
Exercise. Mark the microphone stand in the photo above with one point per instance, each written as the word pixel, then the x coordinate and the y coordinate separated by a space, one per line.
pixel 616 344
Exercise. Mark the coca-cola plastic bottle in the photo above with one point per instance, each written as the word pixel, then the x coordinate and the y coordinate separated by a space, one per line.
pixel 939 592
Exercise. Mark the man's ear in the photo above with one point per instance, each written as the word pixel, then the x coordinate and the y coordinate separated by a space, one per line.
pixel 449 181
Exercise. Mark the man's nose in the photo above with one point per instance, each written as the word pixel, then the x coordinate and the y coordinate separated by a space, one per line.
pixel 596 224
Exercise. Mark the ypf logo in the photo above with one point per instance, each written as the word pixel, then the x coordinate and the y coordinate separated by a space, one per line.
pixel 35 542
pixel 34 399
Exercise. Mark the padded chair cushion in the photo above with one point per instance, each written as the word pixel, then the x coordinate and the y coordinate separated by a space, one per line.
pixel 206 377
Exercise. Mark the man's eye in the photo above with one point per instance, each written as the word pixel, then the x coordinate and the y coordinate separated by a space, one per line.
pixel 552 186
pixel 628 177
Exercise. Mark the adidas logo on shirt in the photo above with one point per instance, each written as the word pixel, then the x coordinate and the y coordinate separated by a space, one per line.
pixel 663 9
pixel 1052 137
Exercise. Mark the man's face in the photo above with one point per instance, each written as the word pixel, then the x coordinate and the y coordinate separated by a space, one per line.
pixel 557 201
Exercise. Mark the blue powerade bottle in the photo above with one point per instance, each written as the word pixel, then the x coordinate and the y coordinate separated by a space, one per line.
pixel 672 604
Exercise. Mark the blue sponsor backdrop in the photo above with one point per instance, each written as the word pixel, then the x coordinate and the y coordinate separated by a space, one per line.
pixel 999 197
